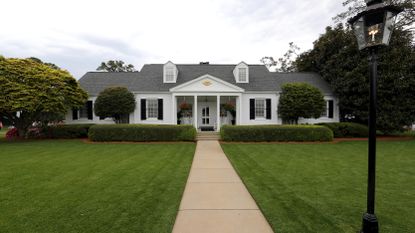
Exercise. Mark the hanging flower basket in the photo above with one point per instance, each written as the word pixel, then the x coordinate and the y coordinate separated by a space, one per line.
pixel 185 106
pixel 229 107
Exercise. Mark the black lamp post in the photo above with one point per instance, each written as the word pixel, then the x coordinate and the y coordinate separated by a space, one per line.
pixel 373 28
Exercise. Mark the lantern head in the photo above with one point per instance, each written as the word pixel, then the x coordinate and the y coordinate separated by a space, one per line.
pixel 374 26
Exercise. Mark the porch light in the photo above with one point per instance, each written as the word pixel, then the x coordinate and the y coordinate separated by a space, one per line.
pixel 373 27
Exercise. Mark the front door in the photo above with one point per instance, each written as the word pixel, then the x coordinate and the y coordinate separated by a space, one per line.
pixel 205 116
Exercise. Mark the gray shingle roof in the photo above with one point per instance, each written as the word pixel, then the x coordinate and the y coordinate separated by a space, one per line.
pixel 150 78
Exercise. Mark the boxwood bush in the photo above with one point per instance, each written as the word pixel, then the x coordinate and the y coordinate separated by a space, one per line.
pixel 66 131
pixel 142 133
pixel 347 129
pixel 269 133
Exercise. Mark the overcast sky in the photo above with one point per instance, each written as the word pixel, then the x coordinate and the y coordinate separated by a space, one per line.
pixel 78 34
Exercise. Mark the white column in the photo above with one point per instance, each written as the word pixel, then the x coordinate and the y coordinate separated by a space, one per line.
pixel 174 109
pixel 239 112
pixel 218 113
pixel 195 111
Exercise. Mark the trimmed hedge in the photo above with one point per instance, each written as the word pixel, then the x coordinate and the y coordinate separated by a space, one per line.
pixel 142 133
pixel 347 129
pixel 67 131
pixel 269 133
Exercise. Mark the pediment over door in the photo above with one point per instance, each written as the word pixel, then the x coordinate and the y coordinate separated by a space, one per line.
pixel 207 83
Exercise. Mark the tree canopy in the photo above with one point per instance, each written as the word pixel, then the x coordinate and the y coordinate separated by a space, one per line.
pixel 30 90
pixel 285 63
pixel 405 20
pixel 51 65
pixel 335 56
pixel 114 102
pixel 116 66
pixel 300 100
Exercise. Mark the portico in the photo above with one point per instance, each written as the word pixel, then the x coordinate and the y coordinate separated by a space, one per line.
pixel 207 103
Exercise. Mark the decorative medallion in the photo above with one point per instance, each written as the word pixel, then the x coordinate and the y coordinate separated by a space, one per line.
pixel 207 83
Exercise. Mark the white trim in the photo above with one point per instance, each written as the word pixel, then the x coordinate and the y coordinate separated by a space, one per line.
pixel 170 64
pixel 265 108
pixel 236 72
pixel 236 88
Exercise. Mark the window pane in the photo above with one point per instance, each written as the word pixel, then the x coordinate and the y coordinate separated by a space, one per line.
pixel 152 108
pixel 242 74
pixel 83 112
pixel 169 74
pixel 325 112
pixel 259 108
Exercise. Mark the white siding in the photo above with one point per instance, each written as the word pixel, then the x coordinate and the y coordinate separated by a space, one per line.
pixel 245 109
pixel 167 109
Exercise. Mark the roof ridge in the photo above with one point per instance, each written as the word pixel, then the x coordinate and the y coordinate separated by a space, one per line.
pixel 211 64
pixel 111 72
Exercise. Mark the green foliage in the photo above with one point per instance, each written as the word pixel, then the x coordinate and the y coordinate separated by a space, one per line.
pixel 142 133
pixel 116 66
pixel 114 102
pixel 30 89
pixel 285 63
pixel 300 100
pixel 347 129
pixel 51 65
pixel 336 58
pixel 67 131
pixel 269 133
pixel 405 20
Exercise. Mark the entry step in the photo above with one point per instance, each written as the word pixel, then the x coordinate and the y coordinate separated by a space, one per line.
pixel 207 136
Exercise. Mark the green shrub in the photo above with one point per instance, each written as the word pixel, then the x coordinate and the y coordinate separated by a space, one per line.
pixel 347 129
pixel 283 133
pixel 67 131
pixel 142 133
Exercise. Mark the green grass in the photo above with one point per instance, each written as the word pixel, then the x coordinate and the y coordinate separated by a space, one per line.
pixel 3 132
pixel 322 187
pixel 69 186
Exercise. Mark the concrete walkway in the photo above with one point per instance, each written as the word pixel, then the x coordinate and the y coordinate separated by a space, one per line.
pixel 215 200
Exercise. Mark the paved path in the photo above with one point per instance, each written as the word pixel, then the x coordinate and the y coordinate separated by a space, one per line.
pixel 215 200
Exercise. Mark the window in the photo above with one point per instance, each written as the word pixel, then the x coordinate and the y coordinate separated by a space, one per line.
pixel 260 108
pixel 83 112
pixel 329 111
pixel 242 74
pixel 169 74
pixel 152 108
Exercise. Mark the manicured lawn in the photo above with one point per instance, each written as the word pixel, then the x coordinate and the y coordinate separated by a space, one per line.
pixel 322 187
pixel 3 132
pixel 70 186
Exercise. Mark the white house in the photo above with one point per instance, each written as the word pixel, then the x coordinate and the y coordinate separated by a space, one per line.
pixel 204 90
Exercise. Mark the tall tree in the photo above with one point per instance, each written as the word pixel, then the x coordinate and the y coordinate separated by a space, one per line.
pixel 116 66
pixel 30 89
pixel 284 63
pixel 405 20
pixel 335 56
pixel 114 102
pixel 300 100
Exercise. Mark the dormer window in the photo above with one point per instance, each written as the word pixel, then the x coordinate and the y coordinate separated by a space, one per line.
pixel 170 72
pixel 241 73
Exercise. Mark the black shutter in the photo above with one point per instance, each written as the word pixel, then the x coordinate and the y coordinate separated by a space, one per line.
pixel 89 110
pixel 251 109
pixel 143 109
pixel 74 114
pixel 331 109
pixel 268 108
pixel 160 109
